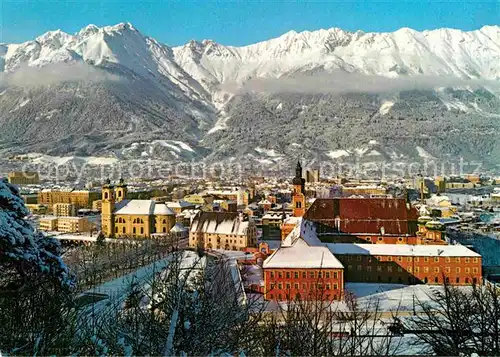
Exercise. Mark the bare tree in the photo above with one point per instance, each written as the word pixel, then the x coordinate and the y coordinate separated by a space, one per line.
pixel 458 320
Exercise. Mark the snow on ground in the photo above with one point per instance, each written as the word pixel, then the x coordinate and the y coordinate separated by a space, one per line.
pixel 3 92
pixel 386 107
pixel 424 154
pixel 279 107
pixel 62 160
pixel 457 105
pixel 335 154
pixel 220 124
pixel 373 153
pixel 267 152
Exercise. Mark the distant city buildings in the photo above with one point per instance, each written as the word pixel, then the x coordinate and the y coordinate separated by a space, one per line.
pixel 23 178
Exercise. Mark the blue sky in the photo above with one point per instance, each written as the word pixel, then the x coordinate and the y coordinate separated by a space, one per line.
pixel 239 22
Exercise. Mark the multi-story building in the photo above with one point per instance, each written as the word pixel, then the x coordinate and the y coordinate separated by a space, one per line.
pixel 222 230
pixel 369 220
pixel 80 198
pixel 73 224
pixel 65 224
pixel 300 271
pixel 271 225
pixel 64 209
pixel 23 178
pixel 48 224
pixel 121 217
pixel 409 264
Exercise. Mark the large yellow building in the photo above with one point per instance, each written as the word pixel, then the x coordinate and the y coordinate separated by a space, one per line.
pixel 64 209
pixel 81 199
pixel 132 218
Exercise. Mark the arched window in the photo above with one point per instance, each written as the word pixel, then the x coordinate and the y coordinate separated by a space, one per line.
pixel 142 230
pixel 133 230
pixel 164 229
pixel 123 230
pixel 164 221
pixel 467 280
pixel 106 195
pixel 436 279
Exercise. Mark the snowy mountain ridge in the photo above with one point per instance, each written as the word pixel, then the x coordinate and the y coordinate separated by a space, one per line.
pixel 190 93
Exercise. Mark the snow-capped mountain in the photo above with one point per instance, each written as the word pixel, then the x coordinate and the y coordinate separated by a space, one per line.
pixel 145 92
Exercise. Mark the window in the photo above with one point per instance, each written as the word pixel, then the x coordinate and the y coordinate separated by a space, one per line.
pixel 408 259
pixel 389 259
pixel 426 269
pixel 296 275
pixel 288 275
pixel 358 257
pixel 458 270
pixel 417 269
pixel 436 279
pixel 280 275
pixel 272 275
pixel 304 275
pixel 327 275
pixel 312 275
pixel 426 259
pixel 296 286
pixel 288 286
pixel 467 270
pixel 133 230
pixel 447 280
pixel 280 286
pixel 467 280
pixel 142 230
pixel 320 274
pixel 436 269
pixel 416 259
pixel 349 267
pixel 458 280
pixel 328 286
pixel 448 259
pixel 409 269
pixel 457 259
pixel 335 286
pixel 304 286
pixel 447 269
pixel 400 259
pixel 474 270
pixel 368 268
pixel 400 269
pixel 467 260
pixel 360 267
pixel 116 229
pixel 335 275
pixel 389 268
pixel 436 259
pixel 476 259
pixel 379 267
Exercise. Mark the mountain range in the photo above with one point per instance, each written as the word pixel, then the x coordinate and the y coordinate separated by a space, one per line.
pixel 326 95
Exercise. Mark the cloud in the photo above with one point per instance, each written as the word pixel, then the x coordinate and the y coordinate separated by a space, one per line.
pixel 338 82
pixel 28 77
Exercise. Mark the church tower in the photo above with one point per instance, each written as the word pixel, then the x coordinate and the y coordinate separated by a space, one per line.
pixel 121 191
pixel 108 205
pixel 298 196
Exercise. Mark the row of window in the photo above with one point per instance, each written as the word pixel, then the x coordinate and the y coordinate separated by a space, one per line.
pixel 279 297
pixel 412 280
pixel 305 286
pixel 410 259
pixel 417 269
pixel 139 231
pixel 304 274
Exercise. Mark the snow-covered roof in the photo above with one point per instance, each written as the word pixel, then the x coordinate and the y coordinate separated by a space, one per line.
pixel 179 204
pixel 178 227
pixel 162 209
pixel 136 207
pixel 292 220
pixel 402 249
pixel 219 223
pixel 302 255
pixel 304 229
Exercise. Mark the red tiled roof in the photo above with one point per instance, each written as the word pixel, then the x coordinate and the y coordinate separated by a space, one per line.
pixel 364 215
